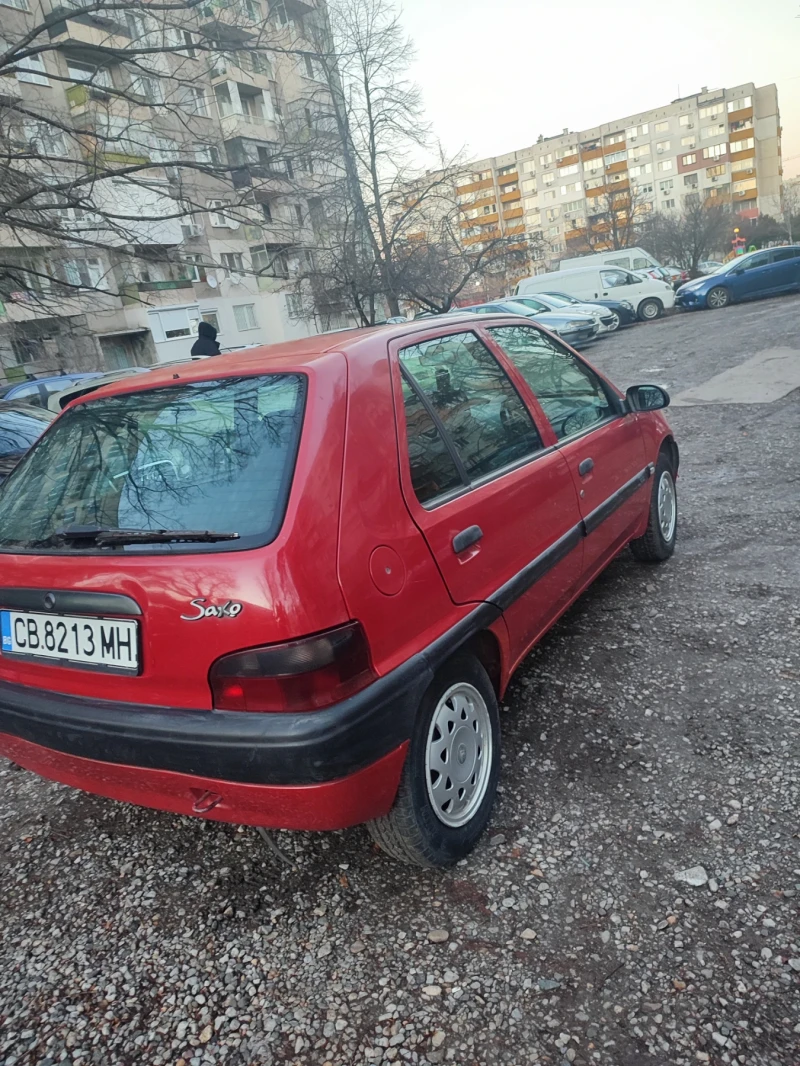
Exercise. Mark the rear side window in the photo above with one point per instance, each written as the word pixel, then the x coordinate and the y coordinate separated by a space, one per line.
pixel 210 455
pixel 473 405
pixel 780 255
pixel 19 430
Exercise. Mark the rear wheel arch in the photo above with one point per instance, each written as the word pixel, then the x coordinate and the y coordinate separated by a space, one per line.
pixel 485 646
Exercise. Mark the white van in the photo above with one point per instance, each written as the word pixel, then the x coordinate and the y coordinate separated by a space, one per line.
pixel 627 258
pixel 647 296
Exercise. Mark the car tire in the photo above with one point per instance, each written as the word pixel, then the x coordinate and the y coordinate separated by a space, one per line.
pixel 658 542
pixel 650 310
pixel 615 323
pixel 717 298
pixel 438 817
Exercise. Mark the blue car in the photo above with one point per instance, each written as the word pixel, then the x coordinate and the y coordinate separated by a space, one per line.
pixel 766 273
pixel 36 391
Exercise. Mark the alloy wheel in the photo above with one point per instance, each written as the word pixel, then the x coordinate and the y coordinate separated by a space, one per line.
pixel 667 506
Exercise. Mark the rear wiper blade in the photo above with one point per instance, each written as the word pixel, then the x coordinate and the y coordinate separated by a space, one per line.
pixel 101 536
pixel 159 536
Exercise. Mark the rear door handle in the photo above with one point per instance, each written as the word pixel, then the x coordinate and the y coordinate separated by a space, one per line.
pixel 586 467
pixel 466 538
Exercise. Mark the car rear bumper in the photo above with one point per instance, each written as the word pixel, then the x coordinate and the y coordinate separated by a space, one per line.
pixel 323 769
pixel 337 804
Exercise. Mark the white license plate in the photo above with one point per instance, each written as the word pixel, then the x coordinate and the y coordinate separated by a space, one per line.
pixel 103 642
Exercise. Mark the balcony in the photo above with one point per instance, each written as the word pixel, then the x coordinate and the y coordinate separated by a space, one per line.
pixel 257 175
pixel 227 69
pixel 83 36
pixel 249 127
pixel 506 179
pixel 137 292
pixel 231 20
pixel 475 186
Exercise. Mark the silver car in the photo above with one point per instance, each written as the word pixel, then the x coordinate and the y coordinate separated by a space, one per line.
pixel 607 320
pixel 574 328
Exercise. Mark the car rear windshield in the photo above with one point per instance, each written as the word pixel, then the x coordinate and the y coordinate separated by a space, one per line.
pixel 202 456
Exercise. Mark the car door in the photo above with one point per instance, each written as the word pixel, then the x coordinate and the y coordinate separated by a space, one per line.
pixel 786 269
pixel 754 277
pixel 496 505
pixel 599 438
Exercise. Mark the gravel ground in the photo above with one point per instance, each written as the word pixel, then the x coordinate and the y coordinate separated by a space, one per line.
pixel 652 734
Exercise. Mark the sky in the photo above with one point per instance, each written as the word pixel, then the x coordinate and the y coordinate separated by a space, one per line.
pixel 497 73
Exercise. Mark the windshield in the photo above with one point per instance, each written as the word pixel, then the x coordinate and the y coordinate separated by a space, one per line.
pixel 208 455
pixel 563 296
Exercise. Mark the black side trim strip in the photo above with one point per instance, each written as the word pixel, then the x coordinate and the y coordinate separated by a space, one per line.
pixel 609 506
pixel 535 570
pixel 69 601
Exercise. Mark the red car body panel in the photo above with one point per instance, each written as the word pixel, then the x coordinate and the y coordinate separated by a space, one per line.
pixel 355 544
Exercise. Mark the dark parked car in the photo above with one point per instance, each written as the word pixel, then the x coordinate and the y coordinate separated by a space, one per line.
pixel 37 391
pixel 623 309
pixel 20 428
pixel 573 328
pixel 768 273
pixel 288 587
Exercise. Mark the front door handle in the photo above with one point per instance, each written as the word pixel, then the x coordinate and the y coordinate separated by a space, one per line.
pixel 466 538
pixel 586 467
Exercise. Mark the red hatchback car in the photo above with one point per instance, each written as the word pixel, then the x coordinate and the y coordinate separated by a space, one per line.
pixel 288 586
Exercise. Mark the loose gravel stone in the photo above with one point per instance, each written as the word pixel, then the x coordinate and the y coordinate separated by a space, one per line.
pixel 130 937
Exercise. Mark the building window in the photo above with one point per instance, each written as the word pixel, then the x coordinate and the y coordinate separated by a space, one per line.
pixel 31 68
pixel 27 350
pixel 686 120
pixel 616 157
pixel 194 101
pixel 688 160
pixel 668 204
pixel 688 142
pixel 715 172
pixel 548 179
pixel 245 316
pixel 147 88
pixel 662 147
pixel 511 169
pixel 298 212
pixel 44 139
pixel 665 164
pixel 266 211
pixel 741 146
pixel 665 187
pixel 552 214
pixel 196 270
pixel 661 127
pixel 309 119
pixel 715 151
pixel 615 138
pixel 737 105
pixel 84 273
pixel 712 111
pixel 83 73
pixel 690 181
pixel 743 186
pixel 233 262
pixel 549 195
pixel 740 164
pixel 712 131
pixel 565 171
pixel 207 155
pixel 216 216
pixel 546 160
pixel 294 304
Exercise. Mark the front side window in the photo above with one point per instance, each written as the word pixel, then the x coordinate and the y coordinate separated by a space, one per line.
pixel 571 395
pixel 471 398
pixel 207 455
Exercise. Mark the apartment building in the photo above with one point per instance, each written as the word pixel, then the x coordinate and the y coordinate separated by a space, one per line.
pixel 231 231
pixel 720 145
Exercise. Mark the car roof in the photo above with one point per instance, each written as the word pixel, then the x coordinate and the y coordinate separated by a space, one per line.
pixel 295 355
pixel 7 406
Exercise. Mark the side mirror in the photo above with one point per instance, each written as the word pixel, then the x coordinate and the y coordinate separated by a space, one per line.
pixel 647 398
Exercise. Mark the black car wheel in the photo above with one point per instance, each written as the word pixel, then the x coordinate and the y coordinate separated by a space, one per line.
pixel 651 309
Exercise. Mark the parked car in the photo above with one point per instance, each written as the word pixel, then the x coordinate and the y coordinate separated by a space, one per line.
pixel 57 401
pixel 766 273
pixel 36 391
pixel 574 328
pixel 607 321
pixel 21 425
pixel 709 266
pixel 649 296
pixel 627 258
pixel 288 587
pixel 623 309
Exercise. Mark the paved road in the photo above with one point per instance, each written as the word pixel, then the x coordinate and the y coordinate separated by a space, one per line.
pixel 655 730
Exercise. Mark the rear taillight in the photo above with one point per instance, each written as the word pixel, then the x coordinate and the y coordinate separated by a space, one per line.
pixel 303 675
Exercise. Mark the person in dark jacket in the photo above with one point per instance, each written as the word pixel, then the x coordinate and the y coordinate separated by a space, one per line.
pixel 206 343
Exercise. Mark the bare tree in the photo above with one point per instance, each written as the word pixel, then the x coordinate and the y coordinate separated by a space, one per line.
pixel 700 231
pixel 614 218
